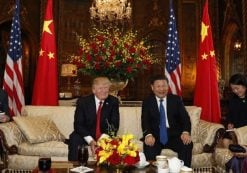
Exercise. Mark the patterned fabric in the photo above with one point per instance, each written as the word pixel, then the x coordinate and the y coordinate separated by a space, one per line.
pixel 202 160
pixel 221 157
pixel 62 117
pixel 241 134
pixel 197 148
pixel 130 121
pixel 207 131
pixel 44 149
pixel 12 133
pixel 21 162
pixel 38 129
pixel 194 113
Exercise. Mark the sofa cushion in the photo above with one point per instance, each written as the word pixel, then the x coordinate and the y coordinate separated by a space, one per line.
pixel 45 149
pixel 62 116
pixel 241 134
pixel 38 129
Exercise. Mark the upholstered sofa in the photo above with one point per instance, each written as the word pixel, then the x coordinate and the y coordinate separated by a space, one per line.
pixel 22 150
pixel 222 155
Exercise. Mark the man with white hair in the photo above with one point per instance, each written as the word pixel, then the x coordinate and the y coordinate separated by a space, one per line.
pixel 96 115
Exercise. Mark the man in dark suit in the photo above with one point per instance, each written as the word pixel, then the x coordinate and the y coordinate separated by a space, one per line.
pixel 4 106
pixel 176 120
pixel 87 129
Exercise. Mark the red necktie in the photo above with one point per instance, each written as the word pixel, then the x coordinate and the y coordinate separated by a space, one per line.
pixel 98 133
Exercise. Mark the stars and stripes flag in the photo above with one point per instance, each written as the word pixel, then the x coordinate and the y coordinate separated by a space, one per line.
pixel 45 90
pixel 173 64
pixel 13 77
pixel 206 89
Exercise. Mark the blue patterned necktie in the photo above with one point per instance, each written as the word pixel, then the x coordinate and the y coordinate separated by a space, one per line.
pixel 163 129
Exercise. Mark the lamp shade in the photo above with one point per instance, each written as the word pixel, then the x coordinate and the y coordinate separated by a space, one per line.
pixel 68 70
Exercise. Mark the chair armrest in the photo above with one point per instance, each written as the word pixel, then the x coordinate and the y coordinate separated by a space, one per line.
pixel 209 132
pixel 10 138
pixel 222 156
pixel 12 134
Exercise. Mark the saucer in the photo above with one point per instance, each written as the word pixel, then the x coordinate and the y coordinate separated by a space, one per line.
pixel 142 166
pixel 81 169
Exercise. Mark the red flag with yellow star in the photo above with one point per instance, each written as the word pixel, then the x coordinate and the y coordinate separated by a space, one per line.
pixel 206 89
pixel 45 91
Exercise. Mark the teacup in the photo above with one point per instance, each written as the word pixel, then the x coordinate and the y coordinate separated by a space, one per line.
pixel 161 162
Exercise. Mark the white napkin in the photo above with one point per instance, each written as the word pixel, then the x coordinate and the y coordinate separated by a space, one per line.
pixel 81 169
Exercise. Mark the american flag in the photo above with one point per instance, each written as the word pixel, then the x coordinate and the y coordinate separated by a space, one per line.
pixel 173 64
pixel 13 81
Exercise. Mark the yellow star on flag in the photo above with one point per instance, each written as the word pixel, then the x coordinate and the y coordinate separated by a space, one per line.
pixel 51 55
pixel 212 54
pixel 46 26
pixel 41 52
pixel 204 56
pixel 204 31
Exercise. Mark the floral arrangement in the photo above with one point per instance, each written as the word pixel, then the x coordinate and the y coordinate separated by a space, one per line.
pixel 111 53
pixel 117 151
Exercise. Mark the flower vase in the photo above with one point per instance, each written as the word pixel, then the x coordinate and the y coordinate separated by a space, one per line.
pixel 116 86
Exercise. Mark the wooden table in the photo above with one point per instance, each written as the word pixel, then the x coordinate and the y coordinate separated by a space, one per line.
pixel 64 167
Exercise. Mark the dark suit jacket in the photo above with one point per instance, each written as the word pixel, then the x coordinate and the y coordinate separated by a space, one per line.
pixel 85 116
pixel 178 117
pixel 4 107
pixel 237 112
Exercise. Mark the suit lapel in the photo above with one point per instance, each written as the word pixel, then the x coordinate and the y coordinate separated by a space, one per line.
pixel 168 107
pixel 92 107
pixel 154 106
pixel 105 108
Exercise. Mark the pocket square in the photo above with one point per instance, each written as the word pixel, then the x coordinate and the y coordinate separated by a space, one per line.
pixel 236 148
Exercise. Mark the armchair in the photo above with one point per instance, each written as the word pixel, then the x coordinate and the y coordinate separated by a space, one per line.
pixel 223 155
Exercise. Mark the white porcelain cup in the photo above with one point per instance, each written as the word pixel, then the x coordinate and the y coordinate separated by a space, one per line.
pixel 161 162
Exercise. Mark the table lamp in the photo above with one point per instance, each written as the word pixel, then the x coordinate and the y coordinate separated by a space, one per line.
pixel 68 71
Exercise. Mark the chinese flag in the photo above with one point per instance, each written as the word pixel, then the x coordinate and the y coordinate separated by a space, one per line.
pixel 206 89
pixel 45 90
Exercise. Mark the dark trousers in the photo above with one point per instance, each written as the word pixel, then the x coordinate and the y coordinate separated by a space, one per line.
pixel 74 142
pixel 176 144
